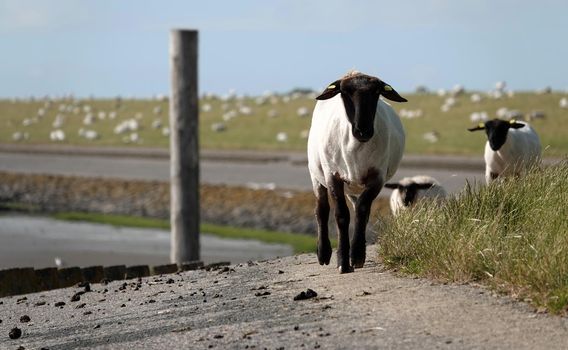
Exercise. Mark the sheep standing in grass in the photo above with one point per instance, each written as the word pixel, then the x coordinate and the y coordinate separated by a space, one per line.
pixel 409 190
pixel 355 144
pixel 511 148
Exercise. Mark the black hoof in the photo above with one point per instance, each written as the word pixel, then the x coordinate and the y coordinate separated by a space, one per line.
pixel 358 260
pixel 324 253
pixel 358 255
pixel 346 269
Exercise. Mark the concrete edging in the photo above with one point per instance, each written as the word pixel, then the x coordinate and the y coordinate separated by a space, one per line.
pixel 23 280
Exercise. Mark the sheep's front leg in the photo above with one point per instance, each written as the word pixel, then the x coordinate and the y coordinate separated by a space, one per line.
pixel 362 211
pixel 322 217
pixel 342 220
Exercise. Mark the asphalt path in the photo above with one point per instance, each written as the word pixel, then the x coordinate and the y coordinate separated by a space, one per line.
pixel 278 173
pixel 260 306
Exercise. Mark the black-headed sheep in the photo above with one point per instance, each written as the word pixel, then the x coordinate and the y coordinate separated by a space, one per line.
pixel 355 145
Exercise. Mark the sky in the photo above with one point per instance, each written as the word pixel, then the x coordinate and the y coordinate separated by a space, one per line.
pixel 106 48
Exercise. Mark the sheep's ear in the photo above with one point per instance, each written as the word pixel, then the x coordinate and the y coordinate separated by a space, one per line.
pixel 480 126
pixel 515 125
pixel 332 90
pixel 392 186
pixel 388 92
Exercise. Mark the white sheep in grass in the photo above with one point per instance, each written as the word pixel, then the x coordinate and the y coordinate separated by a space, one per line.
pixel 511 148
pixel 409 190
pixel 355 144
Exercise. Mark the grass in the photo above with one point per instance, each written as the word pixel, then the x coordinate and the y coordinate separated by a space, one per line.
pixel 258 131
pixel 300 243
pixel 511 235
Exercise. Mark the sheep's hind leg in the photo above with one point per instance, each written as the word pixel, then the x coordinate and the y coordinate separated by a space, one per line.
pixel 362 211
pixel 322 217
pixel 342 220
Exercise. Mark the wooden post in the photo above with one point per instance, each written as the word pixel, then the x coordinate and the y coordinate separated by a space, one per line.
pixel 184 147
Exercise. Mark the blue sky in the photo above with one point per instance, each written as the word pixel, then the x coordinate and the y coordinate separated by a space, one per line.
pixel 111 47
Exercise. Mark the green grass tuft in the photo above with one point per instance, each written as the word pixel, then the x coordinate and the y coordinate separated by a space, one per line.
pixel 511 235
pixel 299 242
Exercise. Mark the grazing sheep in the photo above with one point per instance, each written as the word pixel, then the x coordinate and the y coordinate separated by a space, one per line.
pixel 89 134
pixel 206 108
pixel 410 113
pixel 409 190
pixel 458 90
pixel 218 127
pixel 230 115
pixel 431 136
pixel 89 119
pixel 500 86
pixel 245 110
pixel 476 117
pixel 475 98
pixel 511 147
pixel 355 144
pixel 303 112
pixel 282 137
pixel 57 135
pixel 157 124
pixel 563 102
pixel 537 115
pixel 272 113
pixel 20 136
pixel 59 121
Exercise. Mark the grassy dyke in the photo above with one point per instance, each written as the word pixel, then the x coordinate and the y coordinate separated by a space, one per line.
pixel 300 243
pixel 511 235
pixel 258 131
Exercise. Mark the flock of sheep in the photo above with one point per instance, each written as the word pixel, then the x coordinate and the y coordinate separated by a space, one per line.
pixel 355 145
pixel 68 108
pixel 232 106
pixel 58 111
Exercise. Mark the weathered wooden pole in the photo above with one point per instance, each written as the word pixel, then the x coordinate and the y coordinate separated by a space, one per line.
pixel 184 147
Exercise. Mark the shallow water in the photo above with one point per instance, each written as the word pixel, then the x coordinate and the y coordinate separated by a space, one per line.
pixel 36 241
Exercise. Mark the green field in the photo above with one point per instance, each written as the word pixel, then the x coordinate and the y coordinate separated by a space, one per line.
pixel 258 131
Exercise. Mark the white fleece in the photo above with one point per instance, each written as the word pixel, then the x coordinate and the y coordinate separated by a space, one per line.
pixel 332 148
pixel 521 150
pixel 436 192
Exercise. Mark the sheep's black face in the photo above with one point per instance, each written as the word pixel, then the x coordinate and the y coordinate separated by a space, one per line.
pixel 496 131
pixel 360 94
pixel 408 192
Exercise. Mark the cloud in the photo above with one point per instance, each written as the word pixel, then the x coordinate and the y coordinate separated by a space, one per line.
pixel 31 15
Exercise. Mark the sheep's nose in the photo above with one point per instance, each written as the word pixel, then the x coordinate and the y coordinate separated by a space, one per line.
pixel 362 135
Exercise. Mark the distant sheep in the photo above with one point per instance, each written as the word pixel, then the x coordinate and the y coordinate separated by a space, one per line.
pixel 355 144
pixel 303 112
pixel 57 135
pixel 409 190
pixel 282 137
pixel 218 127
pixel 511 147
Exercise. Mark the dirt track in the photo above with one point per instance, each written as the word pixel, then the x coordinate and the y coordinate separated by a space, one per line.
pixel 252 306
